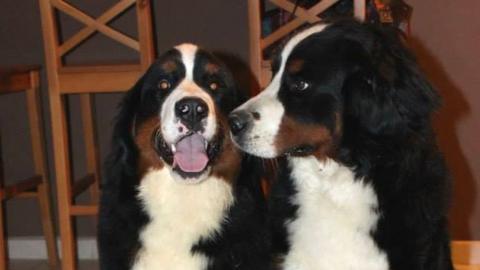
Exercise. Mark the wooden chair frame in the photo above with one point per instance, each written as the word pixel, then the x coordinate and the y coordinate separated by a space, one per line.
pixel 86 80
pixel 18 80
pixel 261 67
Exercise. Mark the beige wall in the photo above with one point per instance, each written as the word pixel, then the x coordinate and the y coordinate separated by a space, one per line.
pixel 446 37
pixel 447 40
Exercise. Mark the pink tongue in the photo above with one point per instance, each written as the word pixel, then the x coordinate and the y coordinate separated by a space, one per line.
pixel 190 154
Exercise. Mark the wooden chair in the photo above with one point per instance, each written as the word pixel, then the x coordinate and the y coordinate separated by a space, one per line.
pixel 85 81
pixel 26 79
pixel 466 255
pixel 261 67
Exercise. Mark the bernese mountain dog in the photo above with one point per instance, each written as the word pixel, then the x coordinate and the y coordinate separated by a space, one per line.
pixel 361 183
pixel 177 194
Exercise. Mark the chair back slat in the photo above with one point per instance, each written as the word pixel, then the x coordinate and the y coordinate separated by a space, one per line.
pixel 142 45
pixel 103 19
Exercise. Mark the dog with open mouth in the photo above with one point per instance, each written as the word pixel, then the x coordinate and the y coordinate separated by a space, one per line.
pixel 361 184
pixel 177 194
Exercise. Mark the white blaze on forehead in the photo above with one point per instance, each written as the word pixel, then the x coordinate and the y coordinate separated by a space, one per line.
pixel 287 50
pixel 261 137
pixel 188 52
pixel 186 88
pixel 272 89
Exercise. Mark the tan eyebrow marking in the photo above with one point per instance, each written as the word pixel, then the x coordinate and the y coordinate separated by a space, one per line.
pixel 295 65
pixel 169 66
pixel 212 68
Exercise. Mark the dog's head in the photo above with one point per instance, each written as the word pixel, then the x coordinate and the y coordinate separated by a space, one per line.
pixel 330 81
pixel 176 116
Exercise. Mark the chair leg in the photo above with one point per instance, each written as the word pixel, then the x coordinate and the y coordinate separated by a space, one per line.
pixel 47 224
pixel 43 193
pixel 3 240
pixel 90 144
pixel 37 139
pixel 64 190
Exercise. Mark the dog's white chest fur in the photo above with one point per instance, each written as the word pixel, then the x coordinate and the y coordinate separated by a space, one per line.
pixel 180 214
pixel 335 217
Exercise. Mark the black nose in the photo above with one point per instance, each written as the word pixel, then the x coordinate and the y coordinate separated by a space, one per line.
pixel 238 121
pixel 191 111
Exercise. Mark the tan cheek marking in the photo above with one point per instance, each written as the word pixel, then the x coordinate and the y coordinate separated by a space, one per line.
pixel 227 164
pixel 148 157
pixel 292 133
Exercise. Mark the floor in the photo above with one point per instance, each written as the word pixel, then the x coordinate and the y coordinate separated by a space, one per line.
pixel 42 265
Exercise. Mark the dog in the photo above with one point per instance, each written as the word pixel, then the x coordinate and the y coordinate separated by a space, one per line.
pixel 177 193
pixel 361 183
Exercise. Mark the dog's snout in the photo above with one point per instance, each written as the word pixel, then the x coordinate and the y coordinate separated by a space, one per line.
pixel 238 121
pixel 191 111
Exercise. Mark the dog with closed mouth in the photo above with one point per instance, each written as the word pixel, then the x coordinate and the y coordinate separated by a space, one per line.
pixel 362 184
pixel 177 194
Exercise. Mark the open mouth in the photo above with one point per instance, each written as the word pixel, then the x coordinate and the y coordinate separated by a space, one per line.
pixel 190 155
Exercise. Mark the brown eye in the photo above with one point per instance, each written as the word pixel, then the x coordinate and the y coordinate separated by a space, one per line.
pixel 164 85
pixel 300 86
pixel 213 86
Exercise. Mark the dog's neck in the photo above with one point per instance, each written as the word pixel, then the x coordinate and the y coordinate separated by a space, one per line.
pixel 180 215
pixel 335 217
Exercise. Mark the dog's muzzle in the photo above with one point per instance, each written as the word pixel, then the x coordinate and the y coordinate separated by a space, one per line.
pixel 239 122
pixel 191 111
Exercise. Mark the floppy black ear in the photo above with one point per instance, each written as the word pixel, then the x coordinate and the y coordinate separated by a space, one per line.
pixel 237 76
pixel 386 93
pixel 235 97
pixel 120 213
pixel 121 161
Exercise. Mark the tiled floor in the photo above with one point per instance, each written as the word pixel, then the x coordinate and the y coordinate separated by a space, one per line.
pixel 42 265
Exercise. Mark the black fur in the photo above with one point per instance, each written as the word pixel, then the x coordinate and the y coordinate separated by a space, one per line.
pixel 366 74
pixel 243 240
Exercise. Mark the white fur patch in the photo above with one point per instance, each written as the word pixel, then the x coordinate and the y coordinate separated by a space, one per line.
pixel 335 218
pixel 179 216
pixel 261 137
pixel 186 88
pixel 188 52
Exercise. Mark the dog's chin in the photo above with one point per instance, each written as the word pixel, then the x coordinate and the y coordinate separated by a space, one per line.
pixel 190 178
pixel 255 147
pixel 267 150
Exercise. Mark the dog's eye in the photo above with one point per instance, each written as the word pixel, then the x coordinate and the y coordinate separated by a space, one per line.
pixel 213 86
pixel 299 86
pixel 164 85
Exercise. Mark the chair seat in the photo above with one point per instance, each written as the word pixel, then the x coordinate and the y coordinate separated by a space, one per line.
pixel 98 78
pixel 5 70
pixel 16 78
pixel 113 67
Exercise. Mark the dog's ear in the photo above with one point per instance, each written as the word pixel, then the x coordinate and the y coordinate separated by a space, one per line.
pixel 386 93
pixel 233 97
pixel 237 79
pixel 121 161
